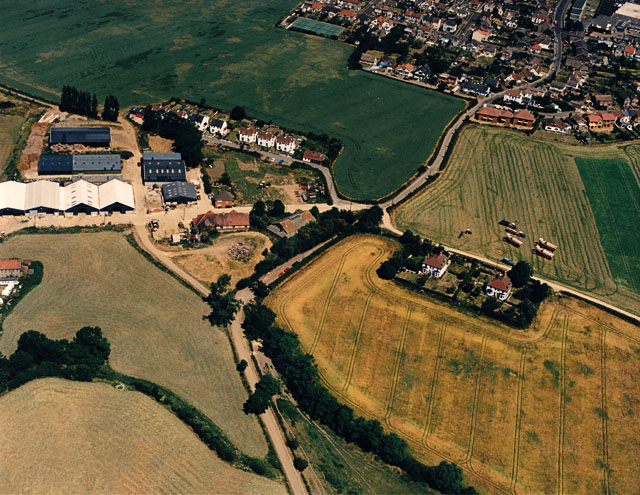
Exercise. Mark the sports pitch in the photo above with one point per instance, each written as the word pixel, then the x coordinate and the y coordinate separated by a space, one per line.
pixel 153 322
pixel 316 27
pixel 496 173
pixel 231 54
pixel 553 409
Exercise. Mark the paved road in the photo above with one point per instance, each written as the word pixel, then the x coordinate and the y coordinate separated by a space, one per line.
pixel 294 478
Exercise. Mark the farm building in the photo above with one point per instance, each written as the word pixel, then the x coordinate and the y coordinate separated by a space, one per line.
pixel 289 226
pixel 222 199
pixel 74 164
pixel 78 197
pixel 163 167
pixel 88 136
pixel 231 221
pixel 435 265
pixel 311 156
pixel 179 192
pixel 499 287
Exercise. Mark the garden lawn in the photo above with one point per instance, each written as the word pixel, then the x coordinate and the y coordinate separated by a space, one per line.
pixel 231 54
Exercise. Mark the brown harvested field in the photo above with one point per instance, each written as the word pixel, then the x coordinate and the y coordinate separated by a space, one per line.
pixel 541 411
pixel 71 437
pixel 208 263
pixel 153 322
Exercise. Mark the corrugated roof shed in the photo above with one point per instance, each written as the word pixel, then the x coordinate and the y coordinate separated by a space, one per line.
pixel 80 135
pixel 179 192
pixel 97 163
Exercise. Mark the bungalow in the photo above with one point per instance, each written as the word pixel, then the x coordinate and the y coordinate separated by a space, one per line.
pixel 404 70
pixel 218 126
pixel 231 221
pixel 603 102
pixel 499 287
pixel 480 35
pixel 247 134
pixel 369 58
pixel 435 265
pixel 557 125
pixel 347 15
pixel 222 199
pixel 285 144
pixel 266 139
pixel 311 156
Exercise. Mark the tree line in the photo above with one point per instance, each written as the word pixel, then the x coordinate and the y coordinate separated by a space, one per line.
pixel 186 136
pixel 74 100
pixel 300 373
pixel 38 356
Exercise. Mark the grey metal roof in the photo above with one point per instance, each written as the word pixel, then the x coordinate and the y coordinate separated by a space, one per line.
pixel 55 164
pixel 97 163
pixel 80 135
pixel 153 156
pixel 176 191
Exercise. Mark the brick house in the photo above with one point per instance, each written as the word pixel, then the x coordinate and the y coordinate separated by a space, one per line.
pixel 225 222
pixel 222 199
pixel 311 156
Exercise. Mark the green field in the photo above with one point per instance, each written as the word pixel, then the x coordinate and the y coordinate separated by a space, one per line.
pixel 153 322
pixel 615 199
pixel 317 27
pixel 231 54
pixel 495 173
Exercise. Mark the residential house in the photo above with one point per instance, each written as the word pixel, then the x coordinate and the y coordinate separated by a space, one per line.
pixel 404 70
pixel 447 79
pixel 222 199
pixel 286 144
pixel 218 126
pixel 289 226
pixel 369 58
pixel 603 102
pixel 200 121
pixel 225 222
pixel 10 268
pixel 480 35
pixel 422 73
pixel 558 126
pixel 311 156
pixel 247 135
pixel 499 287
pixel 266 139
pixel 435 265
pixel 450 26
pixel 476 89
pixel 523 118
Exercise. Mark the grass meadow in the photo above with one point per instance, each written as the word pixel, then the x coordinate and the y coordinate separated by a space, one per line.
pixel 121 442
pixel 230 53
pixel 496 173
pixel 154 323
pixel 540 411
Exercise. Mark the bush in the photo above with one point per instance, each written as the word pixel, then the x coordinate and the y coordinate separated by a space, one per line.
pixel 300 464
pixel 125 155
pixel 257 465
pixel 242 365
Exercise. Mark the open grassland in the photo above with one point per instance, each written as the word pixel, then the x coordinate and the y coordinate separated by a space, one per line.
pixel 614 195
pixel 230 53
pixel 72 437
pixel 12 121
pixel 208 263
pixel 153 322
pixel 496 173
pixel 544 410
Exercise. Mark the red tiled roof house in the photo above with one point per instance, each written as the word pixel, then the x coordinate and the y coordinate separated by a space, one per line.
pixel 499 287
pixel 435 265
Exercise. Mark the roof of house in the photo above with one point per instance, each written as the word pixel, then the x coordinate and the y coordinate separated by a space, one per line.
pixel 10 265
pixel 267 136
pixel 524 115
pixel 249 131
pixel 175 191
pixel 294 222
pixel 489 111
pixel 80 135
pixel 347 13
pixel 286 140
pixel 223 195
pixel 217 123
pixel 230 219
pixel 608 116
pixel 314 155
pixel 502 283
pixel 594 118
pixel 438 261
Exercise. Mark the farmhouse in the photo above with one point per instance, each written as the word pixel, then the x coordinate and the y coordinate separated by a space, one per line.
pixel 163 167
pixel 266 139
pixel 179 192
pixel 285 144
pixel 74 164
pixel 231 221
pixel 289 226
pixel 499 287
pixel 435 265
pixel 222 199
pixel 247 134
pixel 311 156
pixel 87 136
pixel 78 197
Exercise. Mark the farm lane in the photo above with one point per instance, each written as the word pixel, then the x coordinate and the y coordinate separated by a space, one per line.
pixel 241 346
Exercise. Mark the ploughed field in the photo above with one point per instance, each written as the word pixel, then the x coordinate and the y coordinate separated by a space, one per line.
pixel 231 54
pixel 590 210
pixel 553 409
pixel 153 322
pixel 72 437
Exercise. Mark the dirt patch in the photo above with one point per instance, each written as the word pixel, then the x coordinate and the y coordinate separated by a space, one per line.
pixel 292 194
pixel 248 166
pixel 160 144
pixel 28 164
pixel 217 170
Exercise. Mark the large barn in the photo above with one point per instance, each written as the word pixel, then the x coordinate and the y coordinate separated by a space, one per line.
pixel 88 136
pixel 163 167
pixel 44 196
pixel 179 192
pixel 79 164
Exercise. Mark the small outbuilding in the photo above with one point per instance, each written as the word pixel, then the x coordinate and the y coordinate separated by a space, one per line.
pixel 179 192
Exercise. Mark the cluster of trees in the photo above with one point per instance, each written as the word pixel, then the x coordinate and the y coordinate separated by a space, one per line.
pixel 80 102
pixel 7 104
pixel 237 113
pixel 322 143
pixel 300 373
pixel 111 108
pixel 186 136
pixel 222 301
pixel 38 356
pixel 328 224
pixel 262 397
